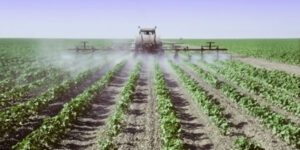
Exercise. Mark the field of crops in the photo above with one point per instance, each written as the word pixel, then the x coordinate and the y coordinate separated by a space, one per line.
pixel 281 50
pixel 54 98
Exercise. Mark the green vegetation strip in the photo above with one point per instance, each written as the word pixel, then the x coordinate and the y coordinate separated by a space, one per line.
pixel 204 101
pixel 276 78
pixel 6 84
pixel 272 94
pixel 15 116
pixel 53 128
pixel 244 143
pixel 169 123
pixel 23 72
pixel 18 93
pixel 288 131
pixel 283 50
pixel 114 125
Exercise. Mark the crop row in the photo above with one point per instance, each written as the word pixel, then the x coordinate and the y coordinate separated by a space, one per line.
pixel 169 124
pixel 39 73
pixel 21 92
pixel 26 77
pixel 204 101
pixel 272 94
pixel 13 72
pixel 53 128
pixel 20 113
pixel 276 78
pixel 280 126
pixel 244 143
pixel 6 85
pixel 114 124
pixel 283 50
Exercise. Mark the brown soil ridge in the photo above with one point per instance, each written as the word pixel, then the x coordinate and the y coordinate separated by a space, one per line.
pixel 153 141
pixel 134 135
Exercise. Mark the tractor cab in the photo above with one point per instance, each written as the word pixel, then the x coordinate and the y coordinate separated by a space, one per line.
pixel 148 42
pixel 147 31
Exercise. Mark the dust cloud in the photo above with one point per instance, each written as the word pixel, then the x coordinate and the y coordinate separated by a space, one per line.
pixel 57 54
pixel 61 55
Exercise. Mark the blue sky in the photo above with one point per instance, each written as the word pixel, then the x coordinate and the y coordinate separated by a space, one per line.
pixel 174 18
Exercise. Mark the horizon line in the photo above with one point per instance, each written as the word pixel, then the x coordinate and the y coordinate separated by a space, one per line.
pixel 69 38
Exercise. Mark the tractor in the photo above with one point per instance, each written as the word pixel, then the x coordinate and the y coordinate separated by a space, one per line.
pixel 147 42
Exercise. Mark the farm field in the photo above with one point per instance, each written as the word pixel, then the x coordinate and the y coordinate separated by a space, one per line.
pixel 278 50
pixel 54 98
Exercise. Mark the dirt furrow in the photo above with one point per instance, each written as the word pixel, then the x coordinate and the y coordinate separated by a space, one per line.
pixel 83 134
pixel 152 125
pixel 241 122
pixel 53 108
pixel 134 135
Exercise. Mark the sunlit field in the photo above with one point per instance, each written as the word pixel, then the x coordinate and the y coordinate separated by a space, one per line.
pixel 53 97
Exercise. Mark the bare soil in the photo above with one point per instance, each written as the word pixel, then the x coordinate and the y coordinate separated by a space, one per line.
pixel 262 63
pixel 134 135
pixel 152 123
